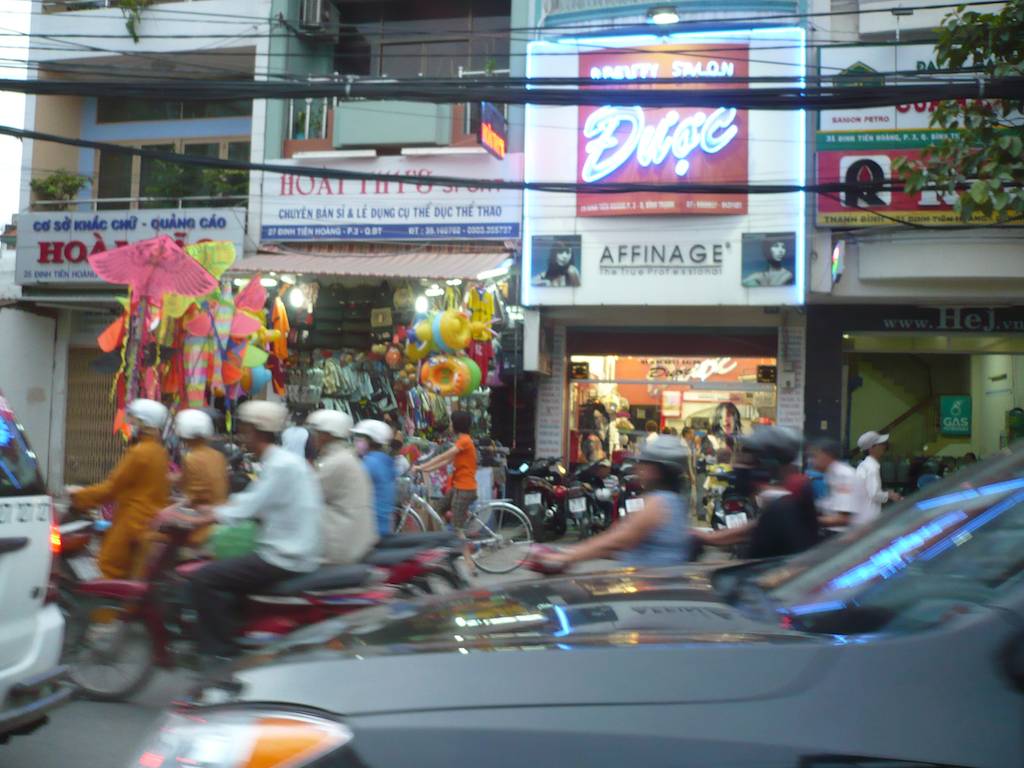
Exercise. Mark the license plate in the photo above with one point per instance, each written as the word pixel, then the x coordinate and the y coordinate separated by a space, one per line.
pixel 634 505
pixel 85 568
pixel 578 506
pixel 735 520
pixel 532 500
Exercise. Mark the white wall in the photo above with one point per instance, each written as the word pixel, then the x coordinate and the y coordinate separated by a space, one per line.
pixel 997 384
pixel 27 384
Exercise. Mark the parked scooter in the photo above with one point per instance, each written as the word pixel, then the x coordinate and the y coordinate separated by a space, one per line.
pixel 133 626
pixel 728 507
pixel 544 497
pixel 631 490
pixel 600 488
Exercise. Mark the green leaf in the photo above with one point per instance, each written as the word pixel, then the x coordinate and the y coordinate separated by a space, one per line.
pixel 979 192
pixel 999 200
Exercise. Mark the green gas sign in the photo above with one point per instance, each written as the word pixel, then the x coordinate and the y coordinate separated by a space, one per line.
pixel 955 415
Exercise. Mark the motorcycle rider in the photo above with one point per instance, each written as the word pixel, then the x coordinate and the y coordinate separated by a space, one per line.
pixel 657 535
pixel 764 471
pixel 349 525
pixel 138 486
pixel 204 470
pixel 372 439
pixel 286 500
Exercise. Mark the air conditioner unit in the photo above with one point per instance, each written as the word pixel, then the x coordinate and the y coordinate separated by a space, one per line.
pixel 319 18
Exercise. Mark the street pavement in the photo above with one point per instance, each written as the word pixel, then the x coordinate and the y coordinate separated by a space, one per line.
pixel 96 735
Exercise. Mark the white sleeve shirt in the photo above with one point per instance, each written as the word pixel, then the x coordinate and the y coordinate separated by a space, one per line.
pixel 843 486
pixel 287 501
pixel 870 473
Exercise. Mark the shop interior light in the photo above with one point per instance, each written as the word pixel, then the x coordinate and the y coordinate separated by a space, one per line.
pixel 268 282
pixel 422 305
pixel 454 281
pixel 663 15
pixel 296 298
pixel 500 271
pixel 434 291
pixel 288 279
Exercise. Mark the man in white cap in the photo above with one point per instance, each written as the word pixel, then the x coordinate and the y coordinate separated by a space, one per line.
pixel 286 500
pixel 870 474
pixel 350 525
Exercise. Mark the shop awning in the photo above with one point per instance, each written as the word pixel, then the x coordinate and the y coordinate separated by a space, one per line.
pixel 372 260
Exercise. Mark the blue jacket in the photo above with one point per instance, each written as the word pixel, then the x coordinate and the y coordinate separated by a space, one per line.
pixel 382 471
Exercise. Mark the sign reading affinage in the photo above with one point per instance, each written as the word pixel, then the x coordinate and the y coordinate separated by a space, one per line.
pixel 664 145
pixel 55 247
pixel 300 208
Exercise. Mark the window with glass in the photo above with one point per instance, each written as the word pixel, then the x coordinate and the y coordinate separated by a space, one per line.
pixel 111 109
pixel 126 181
pixel 19 466
pixel 616 401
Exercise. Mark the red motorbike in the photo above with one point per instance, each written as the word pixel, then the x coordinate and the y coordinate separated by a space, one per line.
pixel 130 627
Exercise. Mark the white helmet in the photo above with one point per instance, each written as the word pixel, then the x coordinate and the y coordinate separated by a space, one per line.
pixel 149 413
pixel 264 415
pixel 334 423
pixel 377 431
pixel 193 424
pixel 665 450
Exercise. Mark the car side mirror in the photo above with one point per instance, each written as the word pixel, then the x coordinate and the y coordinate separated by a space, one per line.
pixel 1013 661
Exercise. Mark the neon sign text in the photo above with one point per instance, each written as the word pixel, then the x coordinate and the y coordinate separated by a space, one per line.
pixel 645 70
pixel 652 144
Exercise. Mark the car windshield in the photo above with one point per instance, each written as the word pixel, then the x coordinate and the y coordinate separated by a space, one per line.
pixel 19 468
pixel 957 544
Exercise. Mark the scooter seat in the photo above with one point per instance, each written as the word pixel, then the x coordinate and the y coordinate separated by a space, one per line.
pixel 329 577
pixel 419 540
pixel 389 558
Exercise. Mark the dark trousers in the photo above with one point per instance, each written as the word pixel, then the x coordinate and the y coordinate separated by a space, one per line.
pixel 216 589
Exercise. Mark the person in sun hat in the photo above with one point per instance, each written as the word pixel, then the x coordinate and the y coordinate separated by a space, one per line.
pixel 869 472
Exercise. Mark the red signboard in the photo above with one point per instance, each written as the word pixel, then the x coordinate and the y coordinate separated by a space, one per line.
pixel 663 145
pixel 872 168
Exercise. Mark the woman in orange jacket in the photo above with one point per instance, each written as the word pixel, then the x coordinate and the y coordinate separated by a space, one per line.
pixel 138 486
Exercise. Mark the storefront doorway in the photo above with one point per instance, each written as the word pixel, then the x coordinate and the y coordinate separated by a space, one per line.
pixel 616 400
pixel 944 399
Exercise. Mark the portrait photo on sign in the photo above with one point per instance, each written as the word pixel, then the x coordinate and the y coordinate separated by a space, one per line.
pixel 555 262
pixel 769 259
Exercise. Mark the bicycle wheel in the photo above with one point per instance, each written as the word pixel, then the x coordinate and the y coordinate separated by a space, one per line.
pixel 407 520
pixel 500 536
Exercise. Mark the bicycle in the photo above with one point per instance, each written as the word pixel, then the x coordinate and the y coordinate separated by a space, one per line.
pixel 499 533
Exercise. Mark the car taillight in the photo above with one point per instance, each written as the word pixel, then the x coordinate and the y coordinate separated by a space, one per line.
pixel 55 546
pixel 560 492
pixel 733 505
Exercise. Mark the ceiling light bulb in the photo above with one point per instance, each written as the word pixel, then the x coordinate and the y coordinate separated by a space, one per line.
pixel 268 282
pixel 422 305
pixel 296 298
pixel 663 16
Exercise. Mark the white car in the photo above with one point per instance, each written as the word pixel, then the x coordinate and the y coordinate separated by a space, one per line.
pixel 31 626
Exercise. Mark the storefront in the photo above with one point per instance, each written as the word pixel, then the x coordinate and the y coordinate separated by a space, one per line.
pixel 663 306
pixel 945 382
pixel 68 307
pixel 398 293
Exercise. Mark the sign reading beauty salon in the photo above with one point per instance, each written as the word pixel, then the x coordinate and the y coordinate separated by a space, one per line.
pixel 653 246
pixel 658 145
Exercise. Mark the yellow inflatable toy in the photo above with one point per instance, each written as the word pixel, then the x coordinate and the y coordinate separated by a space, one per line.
pixel 452 331
pixel 446 375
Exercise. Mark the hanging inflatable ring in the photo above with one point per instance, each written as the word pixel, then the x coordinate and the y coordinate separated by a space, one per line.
pixel 451 331
pixel 445 375
pixel 417 350
pixel 475 375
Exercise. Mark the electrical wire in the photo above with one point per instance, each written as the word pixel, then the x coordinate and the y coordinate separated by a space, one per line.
pixel 538 92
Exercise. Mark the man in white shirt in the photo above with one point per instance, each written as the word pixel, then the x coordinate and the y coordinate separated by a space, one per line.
pixel 287 502
pixel 870 472
pixel 350 520
pixel 846 502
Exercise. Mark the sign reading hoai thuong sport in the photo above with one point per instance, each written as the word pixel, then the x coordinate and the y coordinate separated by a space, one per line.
pixel 859 146
pixel 55 247
pixel 302 208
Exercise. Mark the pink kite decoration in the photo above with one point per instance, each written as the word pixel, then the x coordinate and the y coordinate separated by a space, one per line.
pixel 152 268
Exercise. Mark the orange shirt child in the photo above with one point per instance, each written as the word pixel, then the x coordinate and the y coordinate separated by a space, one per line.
pixel 464 465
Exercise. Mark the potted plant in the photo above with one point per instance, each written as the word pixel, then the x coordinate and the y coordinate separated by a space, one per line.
pixel 60 187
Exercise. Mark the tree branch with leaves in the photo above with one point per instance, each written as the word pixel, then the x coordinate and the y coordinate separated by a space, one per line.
pixel 978 166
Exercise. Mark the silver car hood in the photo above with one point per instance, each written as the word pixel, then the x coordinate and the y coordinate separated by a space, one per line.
pixel 612 638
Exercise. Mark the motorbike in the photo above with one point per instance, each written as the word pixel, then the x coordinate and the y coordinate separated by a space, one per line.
pixel 631 490
pixel 598 486
pixel 133 626
pixel 727 507
pixel 544 497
